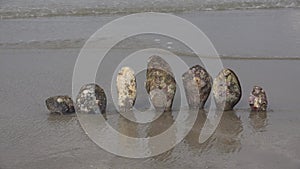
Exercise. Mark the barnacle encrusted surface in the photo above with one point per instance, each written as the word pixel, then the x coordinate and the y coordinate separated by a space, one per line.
pixel 91 99
pixel 160 83
pixel 197 84
pixel 258 99
pixel 126 88
pixel 60 104
pixel 226 89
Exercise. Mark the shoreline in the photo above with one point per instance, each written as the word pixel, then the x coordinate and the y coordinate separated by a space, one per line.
pixel 31 72
pixel 111 12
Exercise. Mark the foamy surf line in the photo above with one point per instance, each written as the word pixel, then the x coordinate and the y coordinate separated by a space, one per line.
pixel 48 44
pixel 8 12
pixel 225 57
pixel 78 43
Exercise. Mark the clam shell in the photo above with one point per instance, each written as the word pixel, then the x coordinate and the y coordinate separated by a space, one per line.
pixel 60 104
pixel 226 90
pixel 197 84
pixel 126 88
pixel 160 83
pixel 91 99
pixel 258 99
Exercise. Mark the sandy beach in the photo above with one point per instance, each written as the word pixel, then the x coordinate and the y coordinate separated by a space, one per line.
pixel 37 57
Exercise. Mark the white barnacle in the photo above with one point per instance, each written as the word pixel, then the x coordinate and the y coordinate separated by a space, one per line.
pixel 59 100
pixel 85 92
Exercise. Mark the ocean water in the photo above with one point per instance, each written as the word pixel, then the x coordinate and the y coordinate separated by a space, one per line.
pixel 40 8
pixel 274 32
pixel 40 42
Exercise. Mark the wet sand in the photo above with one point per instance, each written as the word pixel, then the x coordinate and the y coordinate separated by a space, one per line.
pixel 33 138
pixel 30 137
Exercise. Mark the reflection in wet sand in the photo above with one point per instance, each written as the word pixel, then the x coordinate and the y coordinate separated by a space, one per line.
pixel 161 124
pixel 259 121
pixel 157 127
pixel 159 136
pixel 227 135
pixel 127 127
pixel 193 137
pixel 226 138
pixel 56 118
pixel 136 130
pixel 130 129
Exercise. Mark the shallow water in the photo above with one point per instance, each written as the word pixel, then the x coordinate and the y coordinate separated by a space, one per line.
pixel 242 33
pixel 41 65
